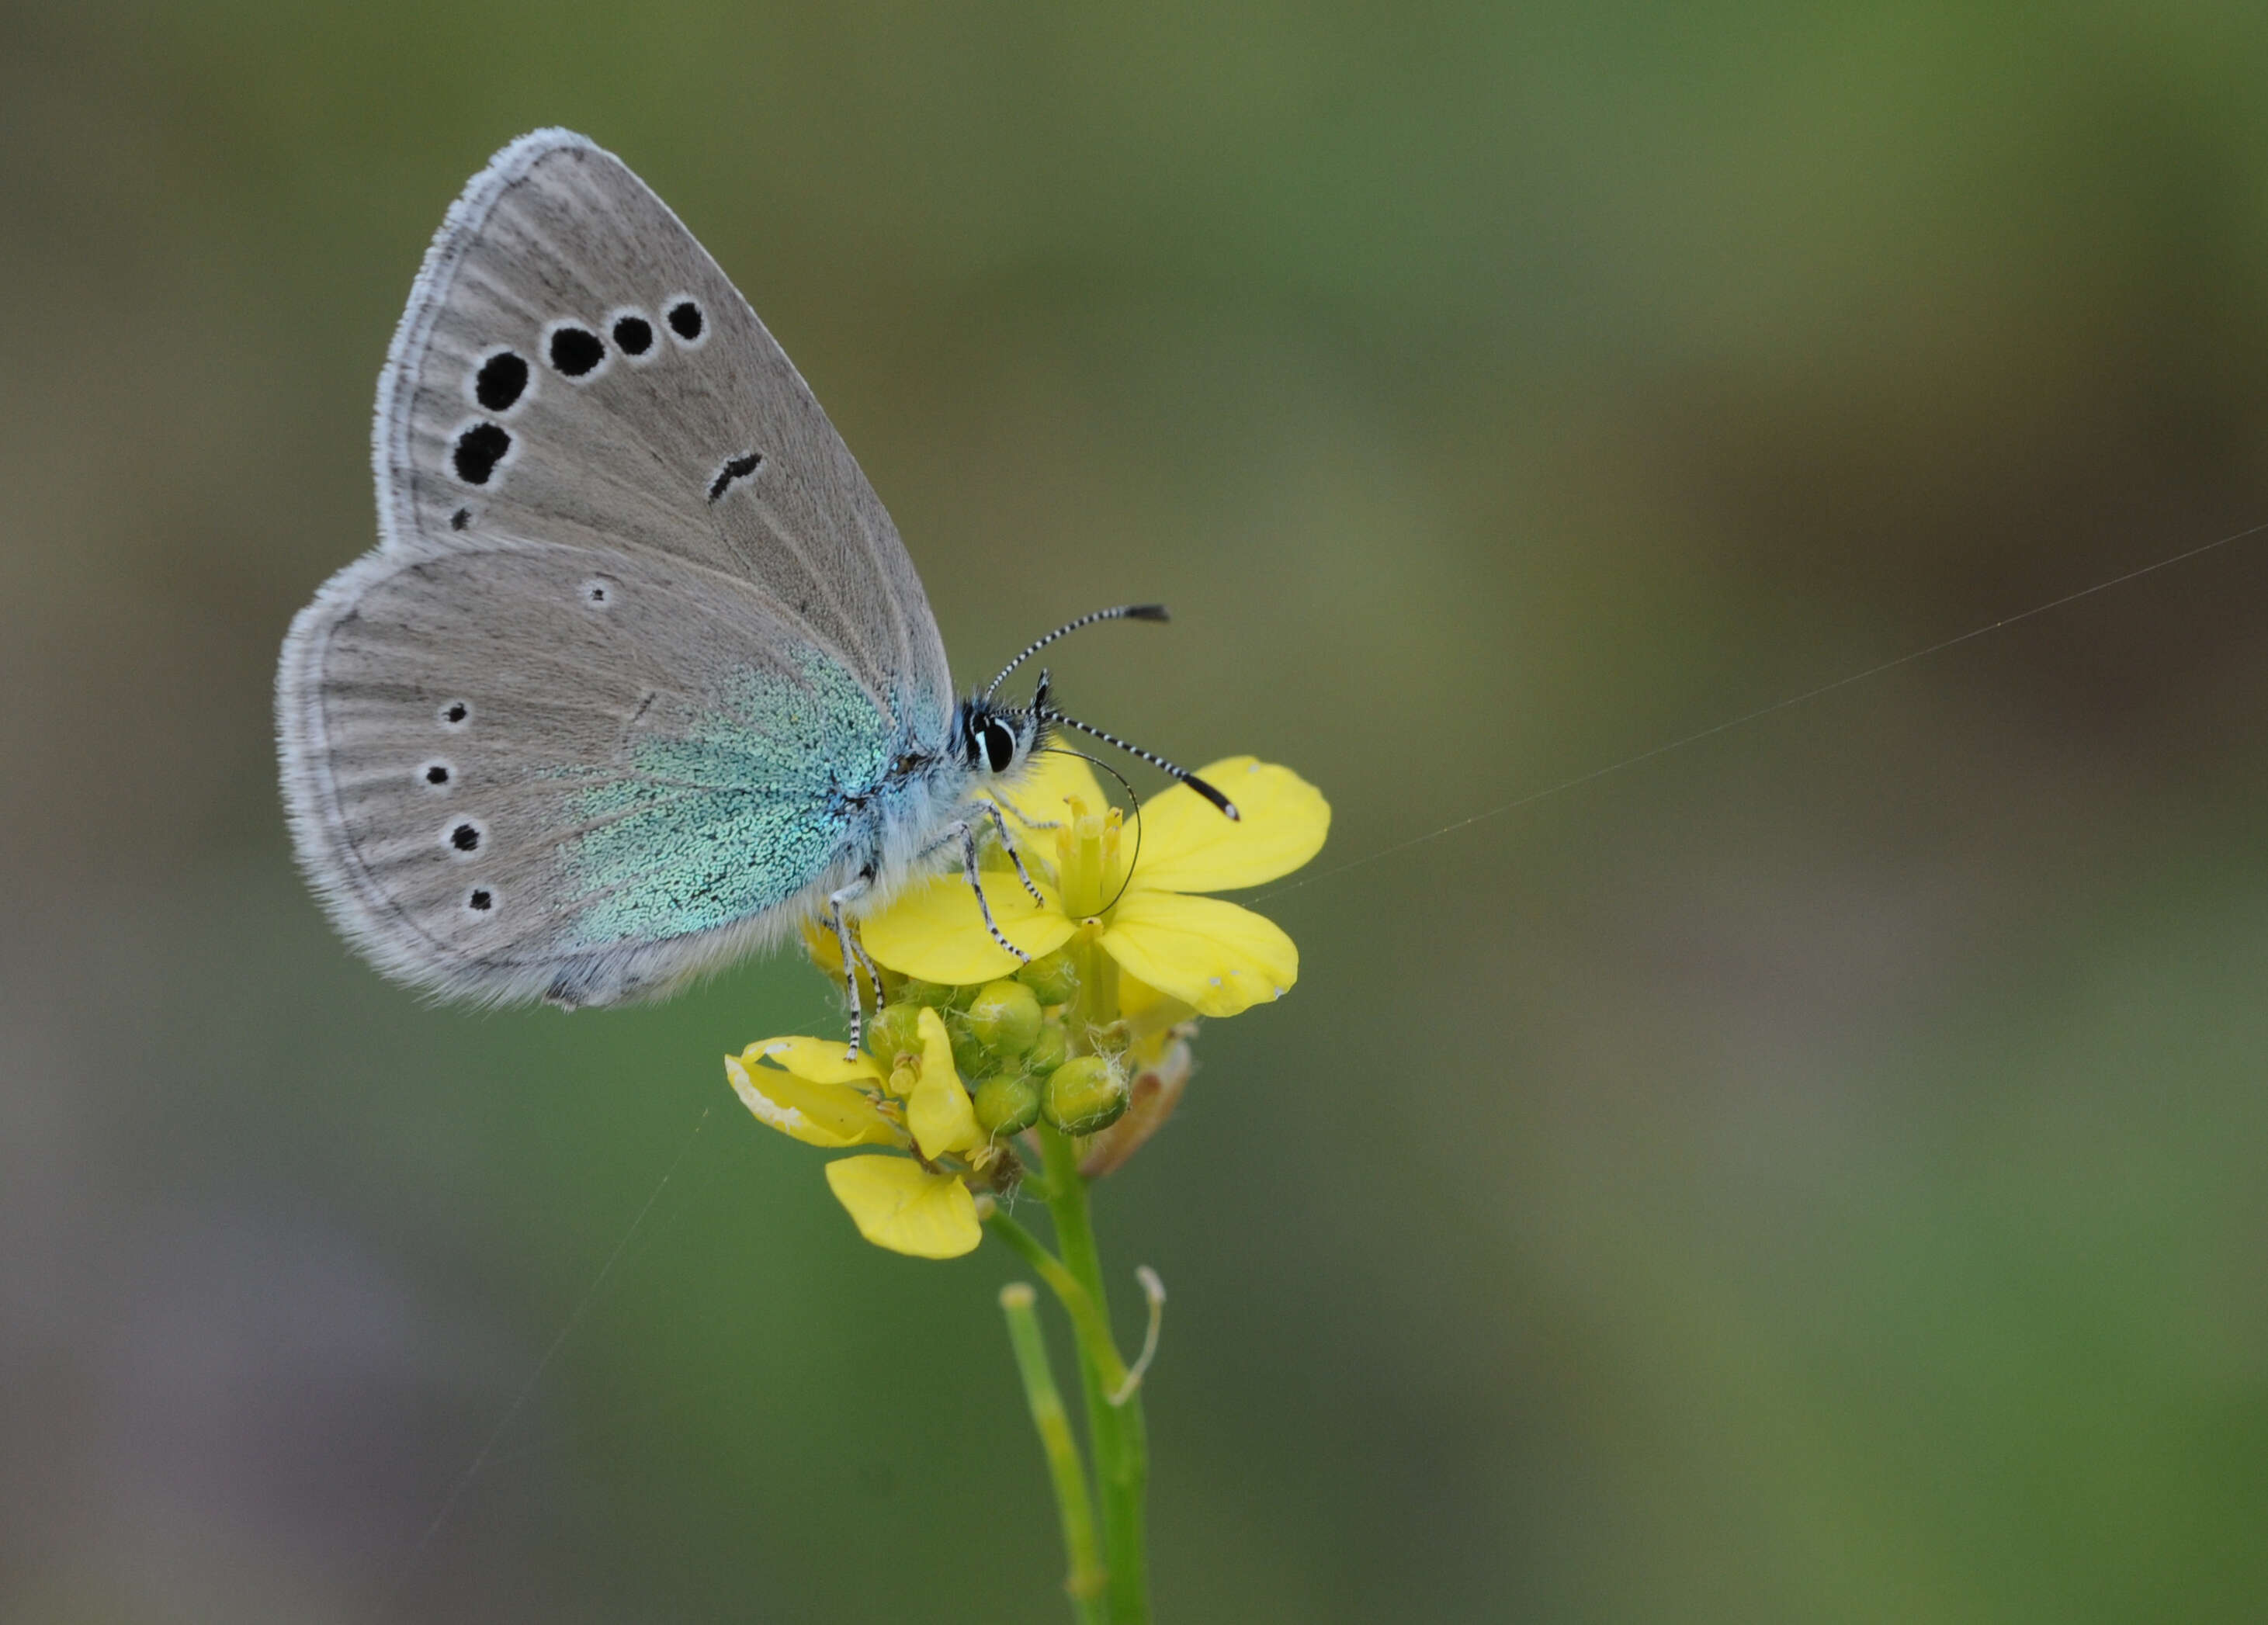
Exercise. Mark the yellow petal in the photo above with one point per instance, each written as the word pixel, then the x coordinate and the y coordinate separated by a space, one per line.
pixel 821 1060
pixel 1035 800
pixel 831 1115
pixel 1150 1018
pixel 1213 955
pixel 938 1111
pixel 821 943
pixel 1137 1000
pixel 1188 846
pixel 934 931
pixel 899 1204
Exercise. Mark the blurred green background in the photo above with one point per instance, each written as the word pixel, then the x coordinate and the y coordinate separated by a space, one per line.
pixel 1813 1174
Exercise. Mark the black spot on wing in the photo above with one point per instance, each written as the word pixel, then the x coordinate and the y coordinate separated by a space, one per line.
pixel 460 518
pixel 501 381
pixel 687 321
pixel 740 467
pixel 478 452
pixel 633 334
pixel 577 351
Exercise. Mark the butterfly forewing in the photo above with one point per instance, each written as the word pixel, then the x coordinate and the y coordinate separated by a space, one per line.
pixel 573 367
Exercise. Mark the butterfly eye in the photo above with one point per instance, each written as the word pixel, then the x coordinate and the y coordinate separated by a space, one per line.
pixel 999 746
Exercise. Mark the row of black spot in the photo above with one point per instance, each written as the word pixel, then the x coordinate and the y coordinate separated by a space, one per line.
pixel 574 352
pixel 462 838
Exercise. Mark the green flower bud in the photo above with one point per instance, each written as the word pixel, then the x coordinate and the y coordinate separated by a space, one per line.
pixel 1006 1103
pixel 1007 1017
pixel 1049 1050
pixel 1083 1096
pixel 895 1032
pixel 1054 977
pixel 970 1057
pixel 914 991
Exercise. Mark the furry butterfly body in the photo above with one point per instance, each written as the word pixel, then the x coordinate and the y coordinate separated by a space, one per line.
pixel 639 675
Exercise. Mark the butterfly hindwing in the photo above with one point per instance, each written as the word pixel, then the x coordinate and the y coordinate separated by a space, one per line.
pixel 518 769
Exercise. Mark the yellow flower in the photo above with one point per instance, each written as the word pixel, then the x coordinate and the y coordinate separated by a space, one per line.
pixel 1214 957
pixel 1052 1041
pixel 807 1089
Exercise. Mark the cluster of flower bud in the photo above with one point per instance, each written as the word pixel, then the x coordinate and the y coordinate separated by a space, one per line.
pixel 1013 1046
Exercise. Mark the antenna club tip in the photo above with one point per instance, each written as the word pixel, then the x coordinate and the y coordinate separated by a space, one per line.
pixel 1147 612
pixel 1227 807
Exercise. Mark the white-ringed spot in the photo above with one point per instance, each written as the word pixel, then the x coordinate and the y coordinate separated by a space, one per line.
pixel 481 902
pixel 501 382
pixel 687 322
pixel 575 352
pixel 633 333
pixel 462 837
pixel 599 593
pixel 733 470
pixel 480 450
pixel 437 775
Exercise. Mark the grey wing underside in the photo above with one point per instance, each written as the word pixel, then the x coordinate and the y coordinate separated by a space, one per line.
pixel 626 738
pixel 643 779
pixel 639 451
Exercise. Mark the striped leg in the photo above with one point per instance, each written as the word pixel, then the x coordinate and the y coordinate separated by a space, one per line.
pixel 959 830
pixel 1008 845
pixel 854 960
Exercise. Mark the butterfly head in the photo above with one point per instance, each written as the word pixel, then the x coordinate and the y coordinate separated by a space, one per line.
pixel 995 739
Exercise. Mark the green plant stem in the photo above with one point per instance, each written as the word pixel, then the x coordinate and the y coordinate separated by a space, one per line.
pixel 1084 1582
pixel 1116 1432
pixel 1086 1317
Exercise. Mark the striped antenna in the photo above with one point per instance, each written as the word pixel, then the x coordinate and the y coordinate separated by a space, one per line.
pixel 1124 612
pixel 1227 807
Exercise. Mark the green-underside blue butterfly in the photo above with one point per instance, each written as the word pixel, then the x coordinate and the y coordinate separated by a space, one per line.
pixel 639 676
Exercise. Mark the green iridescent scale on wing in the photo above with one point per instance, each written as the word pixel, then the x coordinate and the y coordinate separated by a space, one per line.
pixel 733 817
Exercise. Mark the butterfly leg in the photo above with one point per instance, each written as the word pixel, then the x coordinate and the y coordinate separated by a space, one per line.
pixel 1008 845
pixel 1028 821
pixel 854 960
pixel 961 831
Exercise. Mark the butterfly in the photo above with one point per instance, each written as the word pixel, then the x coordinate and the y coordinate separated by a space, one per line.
pixel 639 677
